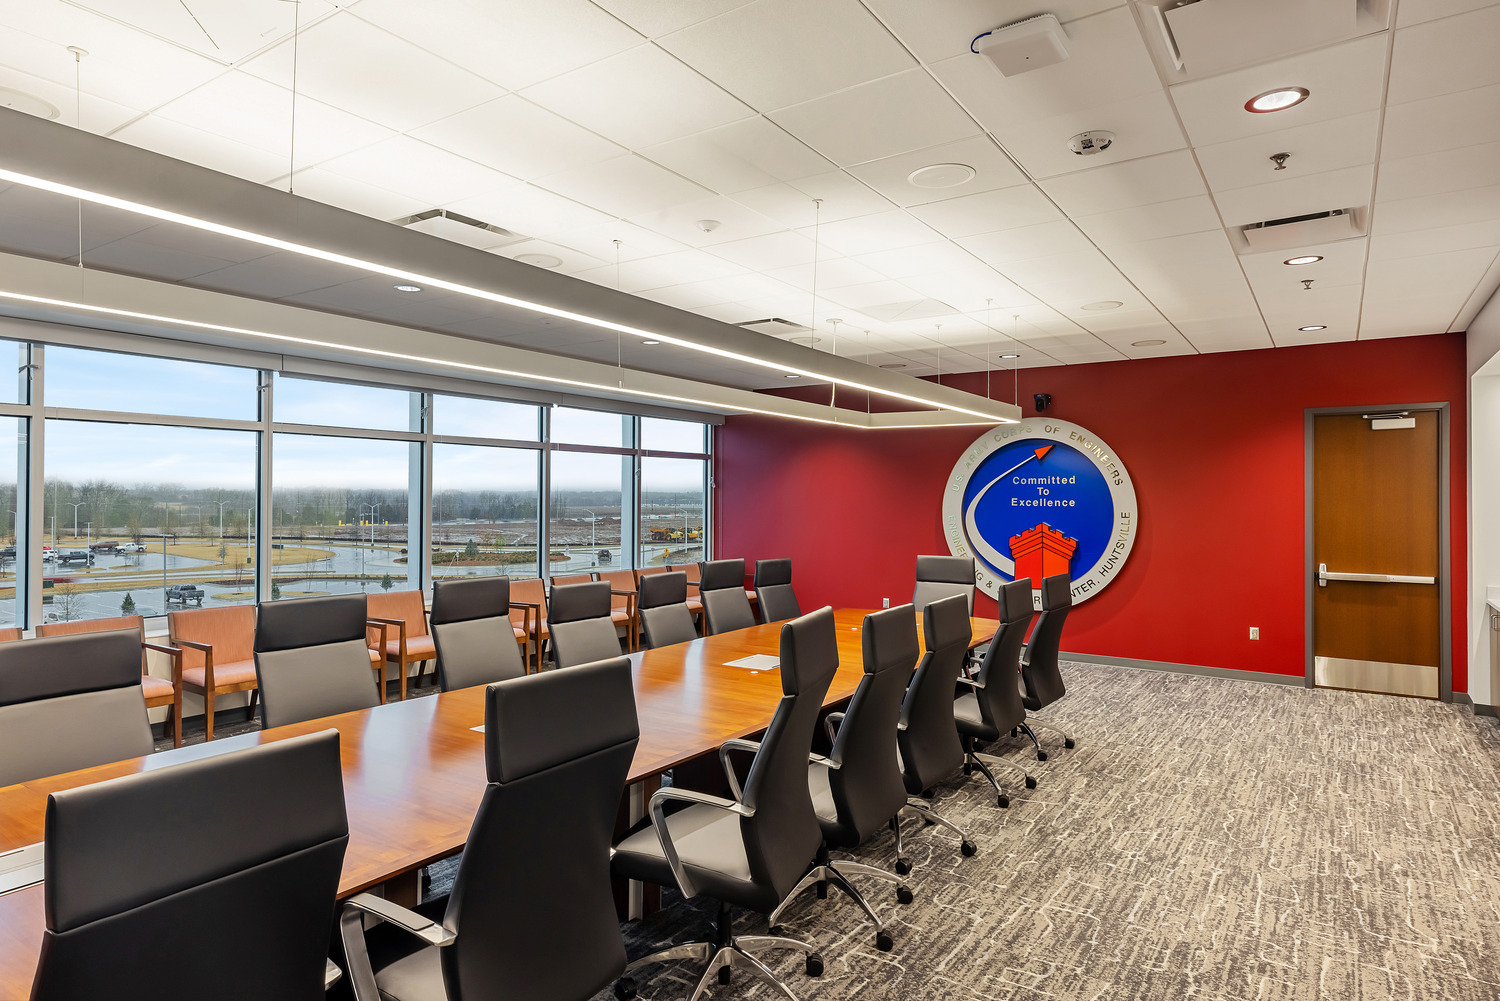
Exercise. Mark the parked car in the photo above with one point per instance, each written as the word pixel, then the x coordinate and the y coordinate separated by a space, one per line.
pixel 104 547
pixel 7 555
pixel 184 593
pixel 130 547
pixel 75 556
pixel 605 556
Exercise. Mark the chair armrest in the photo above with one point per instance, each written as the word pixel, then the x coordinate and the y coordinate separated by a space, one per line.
pixel 978 686
pixel 630 599
pixel 426 929
pixel 207 649
pixel 829 728
pixel 195 645
pixel 171 651
pixel 331 974
pixel 352 932
pixel 659 821
pixel 735 744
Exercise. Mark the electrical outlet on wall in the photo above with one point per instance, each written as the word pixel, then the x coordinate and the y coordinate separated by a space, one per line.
pixel 885 603
pixel 1255 632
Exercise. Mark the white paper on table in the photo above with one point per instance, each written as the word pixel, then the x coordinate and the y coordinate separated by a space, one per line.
pixel 21 867
pixel 757 662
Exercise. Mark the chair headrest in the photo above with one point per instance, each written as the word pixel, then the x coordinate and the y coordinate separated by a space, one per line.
pixel 465 598
pixel 291 624
pixel 719 574
pixel 660 589
pixel 572 602
pixel 537 721
pixel 809 651
pixel 947 569
pixel 1057 592
pixel 890 638
pixel 1015 600
pixel 54 666
pixel 946 621
pixel 769 573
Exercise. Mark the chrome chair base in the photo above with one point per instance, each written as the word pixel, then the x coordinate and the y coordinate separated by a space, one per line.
pixel 826 871
pixel 1068 741
pixel 917 808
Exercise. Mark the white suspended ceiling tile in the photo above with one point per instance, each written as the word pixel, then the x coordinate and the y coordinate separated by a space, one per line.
pixel 223 30
pixel 992 169
pixel 623 186
pixel 765 253
pixel 274 276
pixel 654 18
pixel 841 196
pixel 890 230
pixel 1026 242
pixel 988 212
pixel 1294 338
pixel 938 31
pixel 617 239
pixel 775 53
pixel 967 290
pixel 123 65
pixel 512 43
pixel 1343 263
pixel 751 153
pixel 1315 148
pixel 528 209
pixel 1435 211
pixel 412 167
pixel 832 272
pixel 1431 173
pixel 917 260
pixel 1466 236
pixel 203 148
pixel 707 222
pixel 572 260
pixel 1150 222
pixel 1445 55
pixel 1106 187
pixel 1416 11
pixel 322 185
pixel 1203 304
pixel 1243 332
pixel 256 112
pixel 359 68
pixel 876 293
pixel 638 98
pixel 1086 267
pixel 83 111
pixel 657 272
pixel 691 296
pixel 1452 273
pixel 519 138
pixel 892 115
pixel 1409 316
pixel 1124 320
pixel 1351 187
pixel 1342 80
pixel 1444 122
pixel 1332 306
pixel 1144 126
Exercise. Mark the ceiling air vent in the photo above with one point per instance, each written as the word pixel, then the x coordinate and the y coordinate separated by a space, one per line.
pixel 459 228
pixel 1302 230
pixel 1210 36
pixel 775 326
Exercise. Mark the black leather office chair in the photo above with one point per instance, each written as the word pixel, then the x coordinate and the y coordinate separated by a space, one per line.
pixel 752 850
pixel 721 586
pixel 70 702
pixel 472 632
pixel 941 576
pixel 241 907
pixel 532 912
pixel 664 612
pixel 773 590
pixel 580 623
pixel 1039 670
pixel 992 703
pixel 857 789
pixel 926 737
pixel 312 659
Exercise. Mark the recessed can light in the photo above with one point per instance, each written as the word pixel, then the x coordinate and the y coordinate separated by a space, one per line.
pixel 1304 259
pixel 806 339
pixel 1276 100
pixel 650 344
pixel 1315 326
pixel 894 364
pixel 1147 344
pixel 1102 304
pixel 1010 356
pixel 540 260
pixel 791 375
pixel 941 175
pixel 407 288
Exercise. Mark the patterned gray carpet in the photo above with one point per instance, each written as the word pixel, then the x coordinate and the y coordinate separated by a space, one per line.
pixel 1206 839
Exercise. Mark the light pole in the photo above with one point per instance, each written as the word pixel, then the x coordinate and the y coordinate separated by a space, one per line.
pixel 221 522
pixel 75 508
pixel 591 527
pixel 374 513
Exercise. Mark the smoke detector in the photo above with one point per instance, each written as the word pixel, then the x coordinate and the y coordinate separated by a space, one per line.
pixel 1089 143
pixel 1026 45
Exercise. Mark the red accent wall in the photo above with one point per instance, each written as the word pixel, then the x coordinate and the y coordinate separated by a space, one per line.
pixel 1215 446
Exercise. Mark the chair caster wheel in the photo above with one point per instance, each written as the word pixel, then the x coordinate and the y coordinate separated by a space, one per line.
pixel 777 931
pixel 1068 743
pixel 903 894
pixel 814 965
pixel 968 848
pixel 903 866
pixel 1013 731
pixel 1003 800
pixel 929 794
pixel 723 974
pixel 883 941
pixel 625 989
pixel 1031 781
pixel 822 891
pixel 968 768
pixel 1041 755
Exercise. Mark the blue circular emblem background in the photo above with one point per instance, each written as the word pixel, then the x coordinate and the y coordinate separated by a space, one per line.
pixel 1091 521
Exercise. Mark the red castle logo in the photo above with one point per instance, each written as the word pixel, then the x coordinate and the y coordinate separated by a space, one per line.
pixel 1041 552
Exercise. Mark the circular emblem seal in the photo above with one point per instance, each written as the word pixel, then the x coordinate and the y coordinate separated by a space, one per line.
pixel 1038 498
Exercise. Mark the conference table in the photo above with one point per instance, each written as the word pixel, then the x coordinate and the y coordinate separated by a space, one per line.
pixel 414 770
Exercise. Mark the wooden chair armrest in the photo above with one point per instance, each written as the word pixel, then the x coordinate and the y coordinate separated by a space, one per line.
pixel 171 651
pixel 207 648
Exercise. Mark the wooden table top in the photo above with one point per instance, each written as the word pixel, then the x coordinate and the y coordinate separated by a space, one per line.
pixel 414 770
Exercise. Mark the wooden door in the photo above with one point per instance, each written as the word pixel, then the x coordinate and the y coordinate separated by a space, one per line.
pixel 1376 609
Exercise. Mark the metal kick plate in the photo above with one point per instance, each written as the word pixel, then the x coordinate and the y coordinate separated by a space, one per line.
pixel 1417 680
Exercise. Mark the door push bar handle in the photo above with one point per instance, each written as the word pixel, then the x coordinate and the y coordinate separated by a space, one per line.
pixel 1325 575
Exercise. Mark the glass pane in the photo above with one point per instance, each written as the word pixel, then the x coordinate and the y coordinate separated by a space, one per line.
pixel 140 520
pixel 11 474
pixel 588 493
pixel 470 418
pixel 336 404
pixel 658 435
pixel 339 510
pixel 587 427
pixel 484 510
pixel 13 384
pixel 672 505
pixel 137 384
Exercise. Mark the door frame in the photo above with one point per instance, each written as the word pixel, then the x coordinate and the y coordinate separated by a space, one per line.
pixel 1445 537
